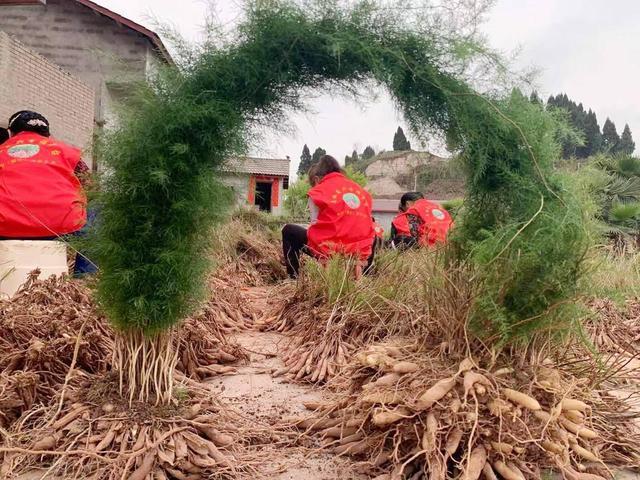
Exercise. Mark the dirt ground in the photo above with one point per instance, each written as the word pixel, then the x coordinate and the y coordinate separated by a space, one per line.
pixel 255 392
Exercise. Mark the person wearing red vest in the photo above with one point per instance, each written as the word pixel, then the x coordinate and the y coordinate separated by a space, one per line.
pixel 405 228
pixel 341 221
pixel 423 223
pixel 40 190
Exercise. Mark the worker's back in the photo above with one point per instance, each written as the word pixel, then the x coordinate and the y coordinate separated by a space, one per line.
pixel 39 194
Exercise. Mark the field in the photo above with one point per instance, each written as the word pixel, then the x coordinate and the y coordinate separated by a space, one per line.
pixel 325 378
pixel 510 351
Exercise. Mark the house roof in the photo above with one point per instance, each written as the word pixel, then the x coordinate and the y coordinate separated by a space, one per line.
pixel 150 35
pixel 259 166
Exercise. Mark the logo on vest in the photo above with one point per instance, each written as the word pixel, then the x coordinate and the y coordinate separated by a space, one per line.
pixel 352 200
pixel 23 151
pixel 439 214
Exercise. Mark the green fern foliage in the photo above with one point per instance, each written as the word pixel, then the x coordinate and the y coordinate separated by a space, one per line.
pixel 521 228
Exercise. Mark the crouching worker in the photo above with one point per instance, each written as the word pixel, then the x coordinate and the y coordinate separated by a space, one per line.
pixel 41 197
pixel 341 221
pixel 405 228
pixel 422 223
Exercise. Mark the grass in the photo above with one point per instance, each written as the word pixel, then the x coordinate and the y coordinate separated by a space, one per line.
pixel 613 276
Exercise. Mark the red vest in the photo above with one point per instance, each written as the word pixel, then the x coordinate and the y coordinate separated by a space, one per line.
pixel 435 222
pixel 344 224
pixel 401 224
pixel 39 194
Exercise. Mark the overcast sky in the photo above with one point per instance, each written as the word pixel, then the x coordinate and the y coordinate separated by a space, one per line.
pixel 589 49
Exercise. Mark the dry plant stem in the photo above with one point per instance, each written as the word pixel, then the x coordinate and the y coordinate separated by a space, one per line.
pixel 145 366
pixel 76 349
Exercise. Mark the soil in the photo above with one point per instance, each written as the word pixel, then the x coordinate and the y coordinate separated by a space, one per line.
pixel 253 391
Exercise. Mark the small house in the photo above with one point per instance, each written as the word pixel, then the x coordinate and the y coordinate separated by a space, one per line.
pixel 259 182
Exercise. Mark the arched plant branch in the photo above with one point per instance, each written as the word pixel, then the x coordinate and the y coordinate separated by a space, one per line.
pixel 163 196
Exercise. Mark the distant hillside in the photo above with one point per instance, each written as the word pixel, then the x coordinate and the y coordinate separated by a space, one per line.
pixel 390 174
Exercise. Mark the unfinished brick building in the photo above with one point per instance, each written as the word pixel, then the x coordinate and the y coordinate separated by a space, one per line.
pixel 97 46
pixel 26 76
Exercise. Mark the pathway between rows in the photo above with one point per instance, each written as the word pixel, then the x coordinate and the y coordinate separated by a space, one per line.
pixel 253 391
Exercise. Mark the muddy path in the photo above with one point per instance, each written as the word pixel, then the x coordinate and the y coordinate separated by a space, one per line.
pixel 255 393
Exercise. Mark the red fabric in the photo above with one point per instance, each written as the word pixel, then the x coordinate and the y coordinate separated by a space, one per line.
pixel 39 194
pixel 436 222
pixel 344 224
pixel 401 224
pixel 379 231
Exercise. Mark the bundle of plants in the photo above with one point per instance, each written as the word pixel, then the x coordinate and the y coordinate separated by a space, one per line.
pixel 331 314
pixel 614 329
pixel 426 412
pixel 204 349
pixel 93 433
pixel 247 251
pixel 51 333
pixel 47 328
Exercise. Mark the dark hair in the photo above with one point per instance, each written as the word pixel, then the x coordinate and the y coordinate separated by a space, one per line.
pixel 409 197
pixel 4 135
pixel 312 173
pixel 327 165
pixel 28 121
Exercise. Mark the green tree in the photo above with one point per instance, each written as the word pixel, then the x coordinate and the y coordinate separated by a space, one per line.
pixel 368 153
pixel 350 160
pixel 317 155
pixel 626 145
pixel 400 141
pixel 593 135
pixel 305 161
pixel 535 98
pixel 610 137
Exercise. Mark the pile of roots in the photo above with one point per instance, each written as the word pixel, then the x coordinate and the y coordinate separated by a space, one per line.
pixel 91 433
pixel 52 329
pixel 325 329
pixel 613 329
pixel 420 397
pixel 415 413
pixel 46 327
pixel 248 269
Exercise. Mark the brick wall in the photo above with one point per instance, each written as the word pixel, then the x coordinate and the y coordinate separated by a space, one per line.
pixel 94 48
pixel 30 82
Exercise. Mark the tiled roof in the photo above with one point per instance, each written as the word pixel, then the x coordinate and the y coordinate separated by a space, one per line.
pixel 259 166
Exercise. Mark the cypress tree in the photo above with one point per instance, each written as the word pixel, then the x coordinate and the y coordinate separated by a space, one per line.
pixel 400 141
pixel 305 161
pixel 626 145
pixel 610 137
pixel 593 136
pixel 368 152
pixel 349 160
pixel 317 155
pixel 535 98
